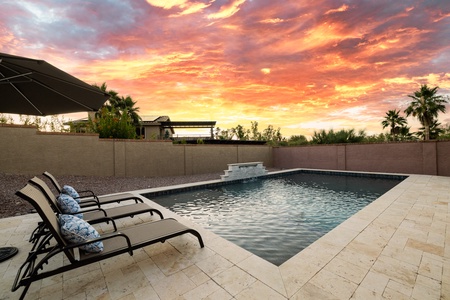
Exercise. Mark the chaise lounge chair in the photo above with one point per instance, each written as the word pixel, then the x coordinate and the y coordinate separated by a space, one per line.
pixel 88 198
pixel 90 215
pixel 118 212
pixel 116 243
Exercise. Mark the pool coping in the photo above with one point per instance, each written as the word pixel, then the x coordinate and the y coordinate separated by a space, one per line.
pixel 157 192
pixel 396 247
pixel 324 263
pixel 215 183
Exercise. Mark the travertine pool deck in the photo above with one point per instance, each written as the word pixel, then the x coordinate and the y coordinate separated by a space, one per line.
pixel 398 247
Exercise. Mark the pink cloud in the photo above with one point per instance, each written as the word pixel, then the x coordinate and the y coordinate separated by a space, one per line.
pixel 234 61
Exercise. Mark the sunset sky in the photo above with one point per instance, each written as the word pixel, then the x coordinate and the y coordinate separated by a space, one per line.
pixel 300 65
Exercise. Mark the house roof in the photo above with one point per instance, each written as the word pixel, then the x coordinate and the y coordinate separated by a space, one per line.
pixel 164 122
pixel 188 124
pixel 154 119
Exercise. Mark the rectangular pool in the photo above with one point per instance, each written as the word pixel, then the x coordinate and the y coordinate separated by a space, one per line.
pixel 275 217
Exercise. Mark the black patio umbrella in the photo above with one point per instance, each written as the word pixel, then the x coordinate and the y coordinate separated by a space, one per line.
pixel 35 87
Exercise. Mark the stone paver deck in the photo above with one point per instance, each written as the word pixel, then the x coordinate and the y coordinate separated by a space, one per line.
pixel 398 247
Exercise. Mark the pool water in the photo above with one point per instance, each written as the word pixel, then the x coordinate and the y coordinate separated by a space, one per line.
pixel 276 218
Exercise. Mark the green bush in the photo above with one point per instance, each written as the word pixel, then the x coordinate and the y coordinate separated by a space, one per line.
pixel 109 125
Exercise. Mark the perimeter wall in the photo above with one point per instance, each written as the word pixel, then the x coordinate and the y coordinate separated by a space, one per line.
pixel 431 157
pixel 24 150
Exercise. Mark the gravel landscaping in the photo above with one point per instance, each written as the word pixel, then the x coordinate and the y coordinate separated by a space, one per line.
pixel 11 205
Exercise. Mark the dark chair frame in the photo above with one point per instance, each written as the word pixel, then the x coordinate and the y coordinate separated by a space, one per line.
pixel 92 215
pixel 89 198
pixel 118 242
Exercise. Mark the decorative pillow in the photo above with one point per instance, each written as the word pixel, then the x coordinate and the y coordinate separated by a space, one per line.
pixel 67 189
pixel 68 205
pixel 63 219
pixel 76 230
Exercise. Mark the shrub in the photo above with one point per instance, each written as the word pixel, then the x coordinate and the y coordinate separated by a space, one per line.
pixel 109 125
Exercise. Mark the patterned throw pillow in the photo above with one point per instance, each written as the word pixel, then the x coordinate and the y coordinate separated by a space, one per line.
pixel 68 205
pixel 67 189
pixel 75 230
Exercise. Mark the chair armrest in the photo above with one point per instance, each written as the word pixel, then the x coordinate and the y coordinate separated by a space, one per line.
pixel 104 220
pixel 93 200
pixel 93 209
pixel 88 193
pixel 102 238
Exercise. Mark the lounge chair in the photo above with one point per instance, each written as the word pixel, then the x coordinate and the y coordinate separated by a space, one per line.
pixel 90 215
pixel 88 198
pixel 116 243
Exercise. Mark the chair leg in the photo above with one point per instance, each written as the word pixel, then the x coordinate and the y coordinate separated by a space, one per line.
pixel 25 290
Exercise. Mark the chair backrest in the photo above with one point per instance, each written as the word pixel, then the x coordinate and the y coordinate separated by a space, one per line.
pixel 53 180
pixel 47 192
pixel 40 203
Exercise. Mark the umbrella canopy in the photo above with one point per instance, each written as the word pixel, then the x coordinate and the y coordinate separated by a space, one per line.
pixel 35 87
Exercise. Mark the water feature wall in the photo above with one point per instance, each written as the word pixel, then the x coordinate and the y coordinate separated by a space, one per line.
pixel 244 170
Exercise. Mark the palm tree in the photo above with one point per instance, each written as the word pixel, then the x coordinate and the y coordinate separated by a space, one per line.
pixel 426 106
pixel 322 137
pixel 111 101
pixel 127 104
pixel 395 121
pixel 435 130
pixel 338 137
pixel 405 134
pixel 121 105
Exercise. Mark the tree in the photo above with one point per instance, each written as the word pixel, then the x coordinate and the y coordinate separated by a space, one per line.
pixel 112 101
pixel 405 134
pixel 445 135
pixel 241 133
pixel 120 105
pixel 350 136
pixel 322 137
pixel 256 135
pixel 394 121
pixel 377 138
pixel 296 140
pixel 225 134
pixel 271 135
pixel 110 125
pixel 127 104
pixel 435 131
pixel 426 106
pixel 5 119
pixel 117 118
pixel 339 137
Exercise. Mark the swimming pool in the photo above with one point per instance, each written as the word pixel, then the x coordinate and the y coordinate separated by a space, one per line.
pixel 275 218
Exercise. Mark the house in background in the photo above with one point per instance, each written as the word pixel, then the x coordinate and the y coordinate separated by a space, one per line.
pixel 162 128
pixel 151 128
pixel 155 128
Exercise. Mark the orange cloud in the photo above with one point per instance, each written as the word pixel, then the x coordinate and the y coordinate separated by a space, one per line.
pixel 186 7
pixel 168 4
pixel 297 65
pixel 344 7
pixel 227 11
